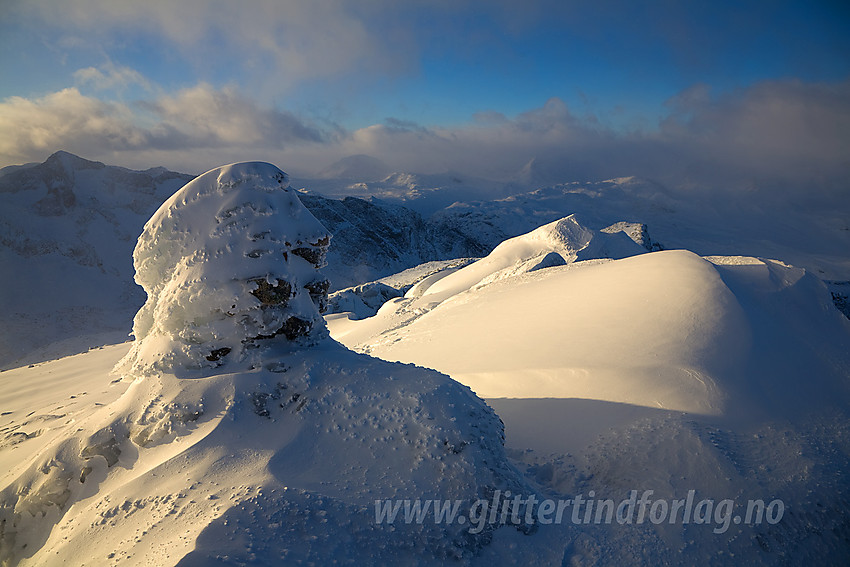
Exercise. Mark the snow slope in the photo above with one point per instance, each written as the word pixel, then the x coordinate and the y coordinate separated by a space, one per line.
pixel 212 491
pixel 560 242
pixel 278 464
pixel 647 331
pixel 665 371
pixel 613 369
pixel 665 329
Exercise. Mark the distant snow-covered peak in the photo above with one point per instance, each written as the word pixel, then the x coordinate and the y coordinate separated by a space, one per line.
pixel 71 161
pixel 229 260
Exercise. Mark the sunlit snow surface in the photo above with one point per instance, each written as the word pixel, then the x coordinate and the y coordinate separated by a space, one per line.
pixel 666 329
pixel 274 465
pixel 663 371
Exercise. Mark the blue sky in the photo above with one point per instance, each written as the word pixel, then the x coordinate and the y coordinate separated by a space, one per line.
pixel 425 85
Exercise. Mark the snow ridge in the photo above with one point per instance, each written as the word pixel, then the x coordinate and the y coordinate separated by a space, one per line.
pixel 563 241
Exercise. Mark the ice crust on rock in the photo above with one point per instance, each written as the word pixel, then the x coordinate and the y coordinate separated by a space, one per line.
pixel 229 261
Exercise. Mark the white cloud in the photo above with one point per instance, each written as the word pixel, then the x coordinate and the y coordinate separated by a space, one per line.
pixel 111 77
pixel 65 119
pixel 775 134
pixel 209 117
pixel 199 118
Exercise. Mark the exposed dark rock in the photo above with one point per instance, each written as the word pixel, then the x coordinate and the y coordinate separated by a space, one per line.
pixel 296 327
pixel 269 294
pixel 312 255
pixel 319 293
pixel 840 292
pixel 218 354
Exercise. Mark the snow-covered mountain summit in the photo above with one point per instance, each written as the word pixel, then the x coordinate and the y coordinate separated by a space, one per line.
pixel 703 382
pixel 560 242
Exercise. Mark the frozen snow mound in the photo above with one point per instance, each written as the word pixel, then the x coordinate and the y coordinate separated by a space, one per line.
pixel 637 231
pixel 649 330
pixel 281 464
pixel 669 329
pixel 230 260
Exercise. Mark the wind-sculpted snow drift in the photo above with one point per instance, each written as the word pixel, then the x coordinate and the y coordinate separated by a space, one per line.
pixel 246 435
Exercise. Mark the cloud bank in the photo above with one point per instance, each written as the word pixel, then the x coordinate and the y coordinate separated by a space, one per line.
pixel 774 134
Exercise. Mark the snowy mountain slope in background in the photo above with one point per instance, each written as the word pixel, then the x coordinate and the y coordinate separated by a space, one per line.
pixel 67 232
pixel 814 235
pixel 372 239
pixel 424 193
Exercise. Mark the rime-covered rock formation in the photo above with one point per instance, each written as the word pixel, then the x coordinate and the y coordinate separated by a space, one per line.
pixel 228 262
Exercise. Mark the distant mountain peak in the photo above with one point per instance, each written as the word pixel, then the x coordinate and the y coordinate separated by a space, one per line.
pixel 70 162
